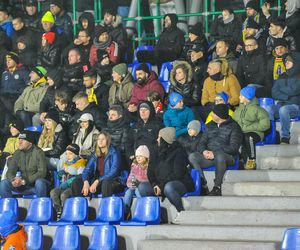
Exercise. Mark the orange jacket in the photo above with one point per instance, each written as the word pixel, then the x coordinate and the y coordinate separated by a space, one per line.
pixel 17 240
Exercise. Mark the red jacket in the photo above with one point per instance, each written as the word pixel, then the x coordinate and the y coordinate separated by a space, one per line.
pixel 139 92
pixel 112 50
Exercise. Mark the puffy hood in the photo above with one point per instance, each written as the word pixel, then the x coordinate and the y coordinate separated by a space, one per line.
pixel 91 20
pixel 177 64
pixel 152 111
pixel 174 19
pixel 116 23
pixel 293 6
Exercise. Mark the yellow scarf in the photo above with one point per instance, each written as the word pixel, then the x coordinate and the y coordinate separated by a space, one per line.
pixel 279 68
pixel 39 82
pixel 92 96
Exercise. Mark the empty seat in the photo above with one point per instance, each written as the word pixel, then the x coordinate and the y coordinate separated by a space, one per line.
pixel 135 66
pixel 197 183
pixel 291 239
pixel 146 212
pixel 110 211
pixel 104 237
pixel 164 75
pixel 35 237
pixel 66 238
pixel 140 48
pixel 7 204
pixel 75 211
pixel 40 211
pixel 232 167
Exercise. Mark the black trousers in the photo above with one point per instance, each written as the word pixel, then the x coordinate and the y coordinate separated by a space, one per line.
pixel 248 147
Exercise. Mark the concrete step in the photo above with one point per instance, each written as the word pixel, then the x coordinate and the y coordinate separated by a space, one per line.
pixel 239 218
pixel 277 150
pixel 205 245
pixel 295 131
pixel 279 162
pixel 261 189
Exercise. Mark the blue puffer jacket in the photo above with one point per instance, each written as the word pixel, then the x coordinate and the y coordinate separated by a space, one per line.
pixel 286 89
pixel 7 27
pixel 112 166
pixel 178 118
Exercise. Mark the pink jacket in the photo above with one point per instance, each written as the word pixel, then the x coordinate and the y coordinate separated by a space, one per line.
pixel 139 173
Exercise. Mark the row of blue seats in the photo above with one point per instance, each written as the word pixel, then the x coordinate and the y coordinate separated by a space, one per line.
pixel 68 237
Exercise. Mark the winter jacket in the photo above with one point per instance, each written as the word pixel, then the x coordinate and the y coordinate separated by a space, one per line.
pixel 200 42
pixel 252 118
pixel 293 23
pixel 7 27
pixel 178 118
pixel 112 49
pixel 73 77
pixel 32 22
pixel 232 61
pixel 91 21
pixel 50 58
pixel 28 58
pixel 286 89
pixel 64 24
pixel 226 138
pixel 104 71
pixel 190 90
pixel 121 93
pixel 189 143
pixel 31 164
pixel 140 92
pixel 138 173
pixel 111 166
pixel 228 84
pixel 3 53
pixel 16 240
pixel 209 117
pixel 24 32
pixel 170 166
pixel 32 96
pixel 59 144
pixel 11 146
pixel 14 82
pixel 74 167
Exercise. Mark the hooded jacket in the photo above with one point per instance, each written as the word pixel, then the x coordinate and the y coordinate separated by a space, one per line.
pixel 24 32
pixel 91 23
pixel 286 89
pixel 200 42
pixel 252 118
pixel 140 92
pixel 121 93
pixel 190 90
pixel 292 21
pixel 171 39
pixel 7 26
pixel 50 58
pixel 28 57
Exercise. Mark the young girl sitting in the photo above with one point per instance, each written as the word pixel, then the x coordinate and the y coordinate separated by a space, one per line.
pixel 73 166
pixel 138 173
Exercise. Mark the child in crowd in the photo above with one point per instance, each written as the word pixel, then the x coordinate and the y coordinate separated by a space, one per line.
pixel 154 97
pixel 72 167
pixel 138 173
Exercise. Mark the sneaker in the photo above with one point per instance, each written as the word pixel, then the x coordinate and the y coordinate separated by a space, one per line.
pixel 204 190
pixel 285 140
pixel 250 165
pixel 176 220
pixel 216 191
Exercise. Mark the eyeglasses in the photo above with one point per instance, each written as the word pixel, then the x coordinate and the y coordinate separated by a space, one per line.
pixel 249 45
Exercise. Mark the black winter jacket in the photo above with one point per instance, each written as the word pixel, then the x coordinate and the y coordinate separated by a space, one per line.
pixel 73 77
pixel 189 143
pixel 200 42
pixel 50 58
pixel 293 23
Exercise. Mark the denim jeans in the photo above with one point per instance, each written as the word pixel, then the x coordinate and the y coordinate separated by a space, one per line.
pixel 129 196
pixel 25 117
pixel 284 113
pixel 39 189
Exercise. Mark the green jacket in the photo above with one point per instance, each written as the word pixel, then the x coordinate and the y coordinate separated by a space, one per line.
pixel 252 118
pixel 31 164
pixel 32 96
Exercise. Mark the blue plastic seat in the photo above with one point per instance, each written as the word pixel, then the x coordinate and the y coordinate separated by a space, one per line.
pixel 75 211
pixel 35 237
pixel 110 211
pixel 40 211
pixel 66 238
pixel 291 239
pixel 265 102
pixel 104 237
pixel 135 66
pixel 197 183
pixel 233 167
pixel 38 128
pixel 146 212
pixel 140 48
pixel 7 204
pixel 269 138
pixel 164 75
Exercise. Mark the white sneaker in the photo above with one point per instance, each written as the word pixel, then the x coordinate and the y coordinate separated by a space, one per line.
pixel 176 220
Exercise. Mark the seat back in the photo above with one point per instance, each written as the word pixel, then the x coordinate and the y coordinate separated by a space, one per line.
pixel 265 102
pixel 35 237
pixel 75 210
pixel 140 48
pixel 236 166
pixel 197 183
pixel 38 128
pixel 7 204
pixel 291 239
pixel 66 237
pixel 104 237
pixel 164 74
pixel 40 210
pixel 147 210
pixel 111 209
pixel 135 66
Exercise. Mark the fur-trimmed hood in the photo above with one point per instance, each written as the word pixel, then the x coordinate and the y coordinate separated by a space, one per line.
pixel 177 64
pixel 116 23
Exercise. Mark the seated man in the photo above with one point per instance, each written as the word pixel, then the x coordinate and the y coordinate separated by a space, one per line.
pixel 254 121
pixel 26 170
pixel 286 91
pixel 218 147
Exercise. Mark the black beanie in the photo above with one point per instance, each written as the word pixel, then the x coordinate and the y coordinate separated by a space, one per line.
pixel 101 54
pixel 14 56
pixel 17 124
pixel 58 3
pixel 252 24
pixel 53 115
pixel 30 136
pixel 197 29
pixel 221 110
pixel 253 4
pixel 74 148
pixel 280 42
pixel 144 67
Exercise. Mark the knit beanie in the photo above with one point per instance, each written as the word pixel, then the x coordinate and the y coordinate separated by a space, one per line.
pixel 144 67
pixel 253 4
pixel 48 17
pixel 168 134
pixel 31 3
pixel 224 96
pixel 121 69
pixel 50 37
pixel 221 110
pixel 41 71
pixel 248 92
pixel 58 3
pixel 14 56
pixel 195 125
pixel 30 136
pixel 117 107
pixel 175 98
pixel 74 148
pixel 145 106
pixel 251 24
pixel 8 223
pixel 142 151
pixel 99 30
pixel 101 54
pixel 53 115
pixel 196 29
pixel 17 124
pixel 280 42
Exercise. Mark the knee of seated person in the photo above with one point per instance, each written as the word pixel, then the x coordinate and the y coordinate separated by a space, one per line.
pixel 219 157
pixel 40 182
pixel 283 110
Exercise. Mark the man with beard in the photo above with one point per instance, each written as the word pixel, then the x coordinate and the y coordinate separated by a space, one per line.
pixel 146 81
pixel 32 17
pixel 119 130
pixel 252 68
